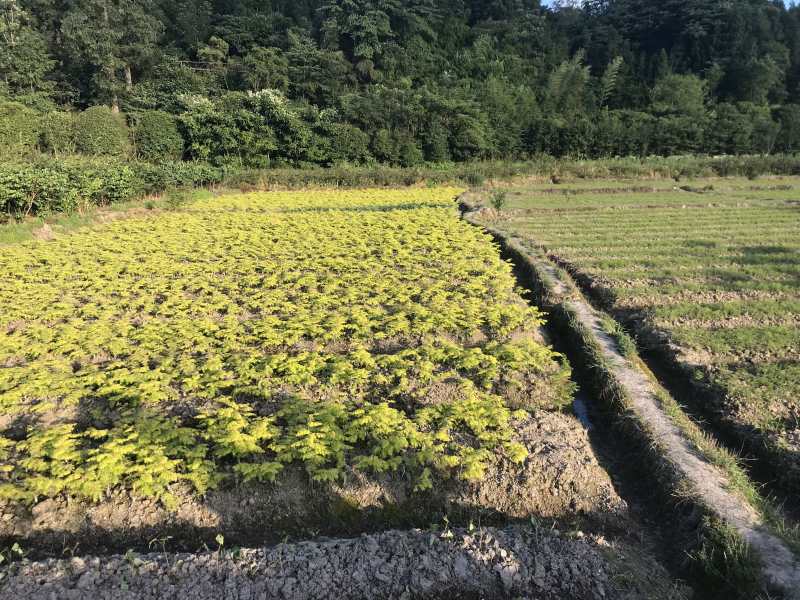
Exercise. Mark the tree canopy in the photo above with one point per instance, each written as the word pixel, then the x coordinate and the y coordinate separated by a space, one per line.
pixel 425 79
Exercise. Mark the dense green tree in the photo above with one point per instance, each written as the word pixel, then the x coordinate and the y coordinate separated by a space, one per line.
pixel 567 84
pixel 788 119
pixel 266 68
pixel 25 61
pixel 113 40
pixel 187 23
pixel 316 74
pixel 511 110
pixel 253 129
pixel 681 94
pixel 403 81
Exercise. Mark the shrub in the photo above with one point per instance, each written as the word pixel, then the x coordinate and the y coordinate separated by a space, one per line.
pixel 104 182
pixel 101 132
pixel 61 185
pixel 32 189
pixel 58 133
pixel 176 197
pixel 19 128
pixel 156 136
pixel 499 199
pixel 162 176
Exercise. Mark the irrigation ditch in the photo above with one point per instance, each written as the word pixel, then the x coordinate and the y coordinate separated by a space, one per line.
pixel 772 468
pixel 713 528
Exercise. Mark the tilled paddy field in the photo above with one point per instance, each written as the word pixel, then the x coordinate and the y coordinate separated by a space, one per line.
pixel 706 275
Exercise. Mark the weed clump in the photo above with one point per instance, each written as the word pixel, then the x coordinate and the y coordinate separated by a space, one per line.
pixel 499 199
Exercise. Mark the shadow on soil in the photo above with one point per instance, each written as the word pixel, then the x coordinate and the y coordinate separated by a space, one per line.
pixel 251 516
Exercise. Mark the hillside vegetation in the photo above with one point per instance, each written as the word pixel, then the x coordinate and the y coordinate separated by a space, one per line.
pixel 401 82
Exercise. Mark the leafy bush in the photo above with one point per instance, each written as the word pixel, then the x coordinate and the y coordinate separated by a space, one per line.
pixel 19 129
pixel 253 129
pixel 157 177
pixel 177 197
pixel 50 186
pixel 101 132
pixel 63 185
pixel 104 182
pixel 156 136
pixel 32 189
pixel 58 131
pixel 499 199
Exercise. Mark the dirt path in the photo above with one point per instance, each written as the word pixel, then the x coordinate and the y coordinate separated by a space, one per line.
pixel 780 567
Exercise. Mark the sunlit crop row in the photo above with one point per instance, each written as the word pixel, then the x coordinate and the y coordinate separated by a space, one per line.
pixel 237 335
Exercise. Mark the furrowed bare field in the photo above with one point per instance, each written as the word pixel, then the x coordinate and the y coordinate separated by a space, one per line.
pixel 706 274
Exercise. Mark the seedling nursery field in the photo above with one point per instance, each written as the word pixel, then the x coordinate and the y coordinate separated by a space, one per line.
pixel 245 376
pixel 224 342
pixel 256 368
pixel 706 275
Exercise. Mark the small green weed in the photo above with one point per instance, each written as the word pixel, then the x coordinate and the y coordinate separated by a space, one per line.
pixel 15 552
pixel 177 197
pixel 475 179
pixel 729 566
pixel 499 199
pixel 624 342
